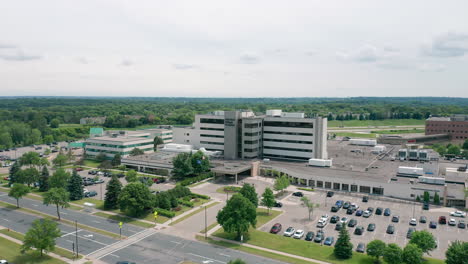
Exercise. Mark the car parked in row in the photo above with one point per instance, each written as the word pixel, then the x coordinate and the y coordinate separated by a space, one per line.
pixel 379 211
pixel 452 222
pixel 410 232
pixel 352 223
pixel 422 219
pixel 371 227
pixel 458 214
pixel 396 219
pixel 361 248
pixel 289 231
pixel 298 234
pixel 413 222
pixel 433 224
pixel 319 237
pixel 276 228
pixel 387 212
pixel 298 194
pixel 390 229
pixel 309 236
pixel 359 230
pixel 329 241
pixel 442 220
pixel 461 224
pixel 334 219
pixel 278 204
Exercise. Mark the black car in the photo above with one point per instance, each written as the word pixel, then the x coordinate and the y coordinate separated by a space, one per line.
pixel 359 230
pixel 352 223
pixel 350 211
pixel 395 219
pixel 125 262
pixel 361 247
pixel 422 219
pixel 390 229
pixel 425 206
pixel 278 204
pixel 120 175
pixel 90 194
pixel 309 236
pixel 461 224
pixel 346 205
pixel 338 226
pixel 359 212
pixel 433 224
pixel 387 212
pixel 370 209
pixel 334 209
pixel 298 194
pixel 379 211
pixel 371 227
pixel 334 219
pixel 365 199
pixel 410 232
pixel 330 194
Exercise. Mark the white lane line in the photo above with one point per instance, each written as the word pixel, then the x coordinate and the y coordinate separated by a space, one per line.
pixel 85 238
pixel 64 213
pixel 71 233
pixel 114 255
pixel 6 219
pixel 97 222
pixel 69 241
pixel 175 242
pixel 206 258
pixel 134 231
pixel 224 255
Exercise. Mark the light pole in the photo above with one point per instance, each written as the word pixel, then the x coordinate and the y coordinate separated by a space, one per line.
pixel 100 185
pixel 206 231
pixel 76 237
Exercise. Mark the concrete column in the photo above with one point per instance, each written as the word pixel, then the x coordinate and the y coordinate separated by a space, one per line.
pixel 445 195
pixel 236 178
pixel 307 182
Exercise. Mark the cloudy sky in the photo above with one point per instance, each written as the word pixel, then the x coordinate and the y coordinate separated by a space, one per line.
pixel 236 48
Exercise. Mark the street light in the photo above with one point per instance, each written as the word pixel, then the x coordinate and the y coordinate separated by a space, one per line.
pixel 76 237
pixel 206 231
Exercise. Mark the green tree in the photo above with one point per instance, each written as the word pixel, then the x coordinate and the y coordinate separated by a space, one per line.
pixel 248 191
pixel 281 183
pixel 116 160
pixel 113 190
pixel 135 199
pixel 182 165
pixel 307 203
pixel 48 139
pixel 457 253
pixel 200 162
pixel 17 191
pixel 54 123
pixel 75 186
pixel 157 141
pixel 105 165
pixel 101 157
pixel 41 236
pixel 14 172
pixel 237 261
pixel 131 176
pixel 136 152
pixel 59 179
pixel 465 144
pixel 454 150
pixel 30 158
pixel 343 247
pixel 60 160
pixel 426 197
pixel 57 196
pixel 412 254
pixel 28 176
pixel 44 180
pixel 436 198
pixel 268 199
pixel 376 248
pixel 393 254
pixel 238 215
pixel 424 240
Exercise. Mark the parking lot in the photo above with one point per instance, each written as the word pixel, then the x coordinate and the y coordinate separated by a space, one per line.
pixel 296 216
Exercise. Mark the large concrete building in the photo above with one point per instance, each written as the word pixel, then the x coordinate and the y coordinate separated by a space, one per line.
pixel 455 126
pixel 244 135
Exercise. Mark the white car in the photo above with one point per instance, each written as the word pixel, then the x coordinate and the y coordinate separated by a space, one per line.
pixel 344 220
pixel 452 222
pixel 322 223
pixel 299 234
pixel 458 214
pixel 354 206
pixel 2 261
pixel 366 213
pixel 324 217
pixel 289 232
pixel 413 222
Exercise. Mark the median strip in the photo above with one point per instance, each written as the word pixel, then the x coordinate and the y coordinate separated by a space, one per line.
pixel 193 213
pixel 124 219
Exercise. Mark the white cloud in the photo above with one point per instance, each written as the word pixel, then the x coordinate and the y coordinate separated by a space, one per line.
pixel 432 67
pixel 15 54
pixel 249 58
pixel 184 66
pixel 447 45
pixel 365 54
pixel 126 62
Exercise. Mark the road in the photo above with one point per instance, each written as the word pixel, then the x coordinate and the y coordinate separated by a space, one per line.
pixel 167 249
pixel 87 241
pixel 81 217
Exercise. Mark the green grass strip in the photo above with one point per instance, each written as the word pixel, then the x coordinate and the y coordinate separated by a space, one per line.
pixel 124 219
pixel 193 213
pixel 12 252
pixel 208 228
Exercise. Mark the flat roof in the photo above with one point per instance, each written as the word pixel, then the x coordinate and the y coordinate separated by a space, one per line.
pixel 119 139
pixel 157 157
pixel 231 167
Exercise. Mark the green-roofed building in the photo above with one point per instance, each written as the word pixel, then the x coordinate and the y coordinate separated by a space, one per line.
pixel 76 145
pixel 96 131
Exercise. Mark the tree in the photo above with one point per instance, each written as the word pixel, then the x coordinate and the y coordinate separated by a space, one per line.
pixel 412 254
pixel 457 253
pixel 136 152
pixel 182 165
pixel 237 261
pixel 113 190
pixel 131 176
pixel 268 199
pixel 376 248
pixel 135 198
pixel 41 236
pixel 105 165
pixel 436 198
pixel 75 187
pixel 101 157
pixel 28 176
pixel 116 160
pixel 14 173
pixel 44 180
pixel 238 215
pixel 465 144
pixel 157 141
pixel 309 205
pixel 454 150
pixel 426 197
pixel 17 191
pixel 57 196
pixel 424 240
pixel 281 183
pixel 30 158
pixel 54 123
pixel 200 162
pixel 343 247
pixel 393 254
pixel 59 179
pixel 248 191
pixel 60 160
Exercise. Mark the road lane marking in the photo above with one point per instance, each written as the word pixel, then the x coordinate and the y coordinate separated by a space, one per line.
pixel 175 242
pixel 224 255
pixel 71 233
pixel 6 220
pixel 114 255
pixel 35 205
pixel 69 241
pixel 206 258
pixel 64 213
pixel 96 221
pixel 95 241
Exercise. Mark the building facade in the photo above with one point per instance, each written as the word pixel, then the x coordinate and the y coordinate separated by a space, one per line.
pixel 455 126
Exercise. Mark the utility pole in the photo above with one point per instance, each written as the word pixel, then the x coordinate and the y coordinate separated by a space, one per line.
pixel 206 231
pixel 101 190
pixel 76 237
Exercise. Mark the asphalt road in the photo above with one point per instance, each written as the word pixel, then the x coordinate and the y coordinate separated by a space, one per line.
pixel 166 249
pixel 72 215
pixel 87 241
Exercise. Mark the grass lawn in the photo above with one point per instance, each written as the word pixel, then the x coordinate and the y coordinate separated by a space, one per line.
pixel 59 251
pixel 228 189
pixel 208 228
pixel 386 122
pixel 124 219
pixel 355 135
pixel 162 219
pixel 12 252
pixel 397 131
pixel 193 213
pixel 91 163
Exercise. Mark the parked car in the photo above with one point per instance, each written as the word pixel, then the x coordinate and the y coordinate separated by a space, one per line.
pixel 322 223
pixel 370 209
pixel 3 261
pixel 395 219
pixel 359 212
pixel 458 214
pixel 390 229
pixel 309 236
pixel 92 172
pixel 354 206
pixel 425 206
pixel 344 220
pixel 379 211
pixel 319 237
pixel 387 212
pixel 452 222
pixel 275 228
pixel 329 241
pixel 79 169
pixel 361 248
pixel 298 234
pixel 325 217
pixel 346 205
pixel 366 214
pixel 338 226
pixel 365 199
pixel 442 220
pixel 461 224
pixel 359 230
pixel 120 175
pixel 410 232
pixel 289 231
pixel 278 204
pixel 433 224
pixel 334 209
pixel 352 223
pixel 339 203
pixel 349 211
pixel 334 219
pixel 422 219
pixel 330 194
pixel 371 227
pixel 298 194
pixel 90 194
pixel 159 180
pixel 413 222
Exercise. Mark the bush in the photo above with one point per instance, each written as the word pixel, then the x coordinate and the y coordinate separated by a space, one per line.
pixel 164 212
pixel 202 196
pixel 231 189
pixel 186 203
pixel 306 189
pixel 193 180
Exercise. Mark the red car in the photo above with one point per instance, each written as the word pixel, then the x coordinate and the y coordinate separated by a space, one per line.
pixel 79 169
pixel 276 228
pixel 442 220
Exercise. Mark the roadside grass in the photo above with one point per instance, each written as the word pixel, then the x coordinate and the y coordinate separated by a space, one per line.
pixel 162 219
pixel 386 122
pixel 193 213
pixel 12 252
pixel 196 184
pixel 37 198
pixel 254 251
pixel 397 131
pixel 355 135
pixel 91 163
pixel 59 251
pixel 124 219
pixel 306 189
pixel 228 189
pixel 208 228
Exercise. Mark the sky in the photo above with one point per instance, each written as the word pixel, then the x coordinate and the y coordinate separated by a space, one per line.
pixel 217 48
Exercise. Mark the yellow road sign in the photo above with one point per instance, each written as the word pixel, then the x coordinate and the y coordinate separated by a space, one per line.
pixel 120 225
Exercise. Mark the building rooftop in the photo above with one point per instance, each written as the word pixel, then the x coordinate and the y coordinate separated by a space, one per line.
pixel 122 139
pixel 157 157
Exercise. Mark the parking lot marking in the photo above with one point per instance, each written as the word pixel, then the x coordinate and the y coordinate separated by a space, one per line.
pixel 64 213
pixel 114 255
pixel 206 258
pixel 69 241
pixel 96 221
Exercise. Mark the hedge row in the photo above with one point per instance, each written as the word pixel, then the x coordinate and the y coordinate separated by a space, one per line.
pixel 164 212
pixel 192 180
pixel 186 203
pixel 202 196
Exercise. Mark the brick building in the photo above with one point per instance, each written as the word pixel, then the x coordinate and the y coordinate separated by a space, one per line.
pixel 455 126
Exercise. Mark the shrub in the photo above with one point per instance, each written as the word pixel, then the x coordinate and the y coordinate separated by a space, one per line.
pixel 186 203
pixel 164 212
pixel 193 180
pixel 202 196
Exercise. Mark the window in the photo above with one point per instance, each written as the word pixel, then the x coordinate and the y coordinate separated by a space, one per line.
pixel 284 157
pixel 288 149
pixel 328 185
pixel 320 184
pixel 336 186
pixel 345 187
pixel 211 121
pixel 251 134
pixel 288 124
pixel 364 189
pixel 287 133
pixel 287 141
pixel 255 125
pixel 211 143
pixel 251 142
pixel 354 188
pixel 212 136
pixel 211 128
pixel 250 150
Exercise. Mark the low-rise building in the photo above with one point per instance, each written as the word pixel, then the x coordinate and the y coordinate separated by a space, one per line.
pixel 456 126
pixel 121 142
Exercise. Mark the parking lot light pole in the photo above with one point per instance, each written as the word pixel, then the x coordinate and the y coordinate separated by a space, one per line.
pixel 206 231
pixel 76 237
